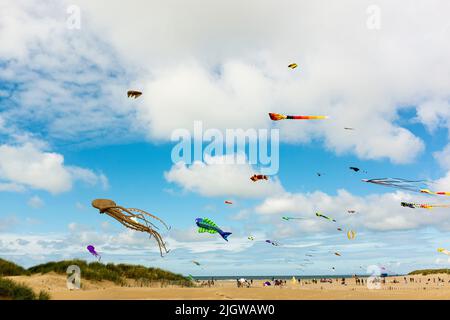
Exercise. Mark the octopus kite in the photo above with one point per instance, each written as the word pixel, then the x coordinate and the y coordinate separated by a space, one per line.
pixel 277 117
pixel 132 218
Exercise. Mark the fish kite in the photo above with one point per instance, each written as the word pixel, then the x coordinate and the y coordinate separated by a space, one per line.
pixel 274 243
pixel 293 66
pixel 444 251
pixel 257 177
pixel 325 217
pixel 91 249
pixel 207 225
pixel 132 218
pixel 351 235
pixel 134 94
pixel 228 202
pixel 277 117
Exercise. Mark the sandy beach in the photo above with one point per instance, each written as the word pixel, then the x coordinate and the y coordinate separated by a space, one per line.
pixel 423 287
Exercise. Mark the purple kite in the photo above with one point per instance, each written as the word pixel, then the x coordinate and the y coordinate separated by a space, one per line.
pixel 91 249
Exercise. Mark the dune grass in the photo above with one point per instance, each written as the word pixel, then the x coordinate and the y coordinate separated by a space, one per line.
pixel 10 290
pixel 426 272
pixel 8 268
pixel 119 274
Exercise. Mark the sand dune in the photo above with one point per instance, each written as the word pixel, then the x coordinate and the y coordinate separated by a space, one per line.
pixel 223 290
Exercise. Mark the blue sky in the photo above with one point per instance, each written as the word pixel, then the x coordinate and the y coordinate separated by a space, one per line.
pixel 70 135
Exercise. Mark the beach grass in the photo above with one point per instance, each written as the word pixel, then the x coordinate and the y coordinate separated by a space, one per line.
pixel 8 268
pixel 10 290
pixel 117 273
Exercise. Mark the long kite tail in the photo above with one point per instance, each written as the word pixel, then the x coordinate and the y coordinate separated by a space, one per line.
pixel 307 117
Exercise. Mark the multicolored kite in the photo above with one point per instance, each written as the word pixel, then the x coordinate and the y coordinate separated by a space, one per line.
pixel 423 206
pixel 207 225
pixel 440 193
pixel 257 177
pixel 228 202
pixel 351 235
pixel 444 251
pixel 277 117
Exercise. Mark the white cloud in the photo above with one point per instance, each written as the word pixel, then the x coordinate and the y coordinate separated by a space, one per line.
pixel 28 166
pixel 377 212
pixel 36 202
pixel 215 177
pixel 212 62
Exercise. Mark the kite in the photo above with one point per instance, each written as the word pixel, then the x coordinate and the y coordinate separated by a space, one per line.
pixel 423 206
pixel 440 193
pixel 251 238
pixel 409 185
pixel 134 94
pixel 132 218
pixel 339 229
pixel 228 202
pixel 348 128
pixel 196 263
pixel 319 174
pixel 277 117
pixel 337 254
pixel 309 255
pixel 333 268
pixel 91 249
pixel 325 217
pixel 351 211
pixel 207 225
pixel 274 243
pixel 293 66
pixel 354 169
pixel 351 235
pixel 292 218
pixel 444 251
pixel 257 177
pixel 191 277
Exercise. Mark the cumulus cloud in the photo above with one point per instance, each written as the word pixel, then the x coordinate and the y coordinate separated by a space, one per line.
pixel 376 212
pixel 27 166
pixel 216 177
pixel 360 77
